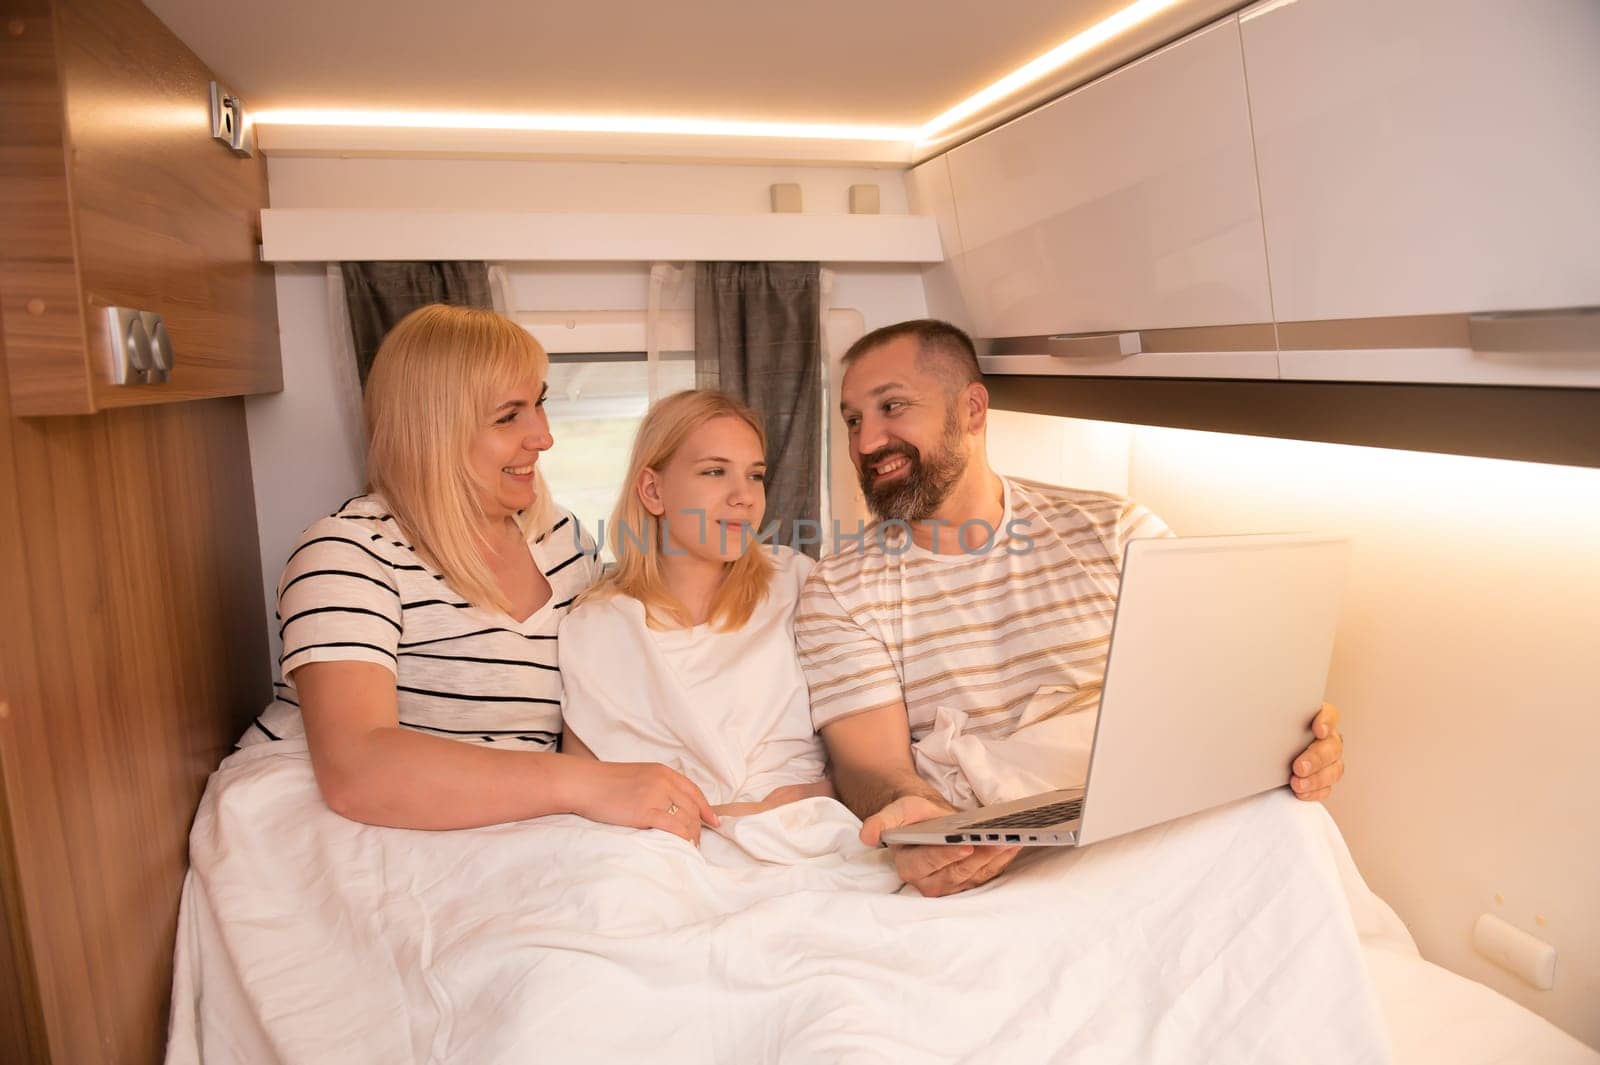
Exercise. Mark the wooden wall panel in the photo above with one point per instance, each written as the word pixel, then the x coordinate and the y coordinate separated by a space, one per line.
pixel 132 651
pixel 39 288
pixel 27 767
pixel 132 654
pixel 22 1034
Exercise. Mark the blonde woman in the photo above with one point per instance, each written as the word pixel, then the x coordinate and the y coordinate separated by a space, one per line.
pixel 685 654
pixel 419 620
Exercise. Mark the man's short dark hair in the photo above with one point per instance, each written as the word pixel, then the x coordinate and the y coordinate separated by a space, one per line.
pixel 941 348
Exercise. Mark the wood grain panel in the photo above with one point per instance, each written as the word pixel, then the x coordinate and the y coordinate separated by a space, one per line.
pixel 110 177
pixel 167 218
pixel 39 286
pixel 39 301
pixel 133 655
pixel 22 1035
pixel 27 763
pixel 32 139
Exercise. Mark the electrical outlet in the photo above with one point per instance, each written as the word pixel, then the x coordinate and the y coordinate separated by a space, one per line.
pixel 139 348
pixel 160 348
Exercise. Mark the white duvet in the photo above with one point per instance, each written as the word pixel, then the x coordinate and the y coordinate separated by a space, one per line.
pixel 1231 936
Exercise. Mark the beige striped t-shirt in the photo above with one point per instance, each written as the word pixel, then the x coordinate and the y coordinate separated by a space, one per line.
pixel 1029 619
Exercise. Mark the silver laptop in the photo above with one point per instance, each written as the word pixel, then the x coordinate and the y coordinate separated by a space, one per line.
pixel 1219 656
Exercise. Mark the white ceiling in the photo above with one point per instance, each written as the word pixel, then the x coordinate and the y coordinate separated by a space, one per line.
pixel 881 62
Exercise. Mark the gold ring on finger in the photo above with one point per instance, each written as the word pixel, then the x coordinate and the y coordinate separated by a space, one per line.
pixel 672 808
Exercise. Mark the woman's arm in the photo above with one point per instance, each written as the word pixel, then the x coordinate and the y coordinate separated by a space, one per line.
pixel 372 770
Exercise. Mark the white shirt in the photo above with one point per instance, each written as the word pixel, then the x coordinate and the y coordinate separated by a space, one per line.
pixel 728 710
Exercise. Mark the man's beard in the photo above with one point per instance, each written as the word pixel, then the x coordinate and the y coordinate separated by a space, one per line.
pixel 925 485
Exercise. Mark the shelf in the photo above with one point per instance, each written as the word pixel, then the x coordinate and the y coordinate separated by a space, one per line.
pixel 354 234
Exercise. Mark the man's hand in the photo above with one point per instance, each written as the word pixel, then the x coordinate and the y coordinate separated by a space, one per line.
pixel 934 870
pixel 1318 768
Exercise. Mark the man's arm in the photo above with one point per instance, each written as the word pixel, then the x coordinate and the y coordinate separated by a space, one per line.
pixel 870 757
pixel 860 710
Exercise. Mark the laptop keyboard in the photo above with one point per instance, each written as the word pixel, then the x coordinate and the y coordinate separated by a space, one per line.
pixel 1038 817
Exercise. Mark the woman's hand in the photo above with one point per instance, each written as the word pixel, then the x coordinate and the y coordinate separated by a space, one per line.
pixel 642 795
pixel 779 797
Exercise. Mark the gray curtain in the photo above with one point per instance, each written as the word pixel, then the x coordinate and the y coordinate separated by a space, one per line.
pixel 757 336
pixel 380 294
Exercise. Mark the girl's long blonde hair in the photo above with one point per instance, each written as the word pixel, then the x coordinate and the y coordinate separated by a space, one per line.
pixel 637 536
pixel 434 382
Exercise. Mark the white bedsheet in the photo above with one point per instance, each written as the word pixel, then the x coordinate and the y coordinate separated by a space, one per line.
pixel 304 937
pixel 1435 1016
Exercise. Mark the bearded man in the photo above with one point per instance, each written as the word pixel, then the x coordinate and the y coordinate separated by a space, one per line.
pixel 988 596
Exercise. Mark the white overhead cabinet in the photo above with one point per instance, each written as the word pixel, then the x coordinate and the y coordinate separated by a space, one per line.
pixel 1427 156
pixel 1430 157
pixel 1357 190
pixel 928 192
pixel 1128 204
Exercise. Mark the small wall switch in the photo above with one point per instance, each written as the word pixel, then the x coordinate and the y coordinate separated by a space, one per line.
pixel 139 351
pixel 863 199
pixel 786 199
pixel 160 348
pixel 1524 956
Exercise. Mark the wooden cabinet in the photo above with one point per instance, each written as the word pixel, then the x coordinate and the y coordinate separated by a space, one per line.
pixel 113 193
pixel 1129 203
pixel 1427 157
pixel 132 645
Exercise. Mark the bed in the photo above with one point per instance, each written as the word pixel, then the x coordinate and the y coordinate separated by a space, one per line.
pixel 1240 934
pixel 1433 1015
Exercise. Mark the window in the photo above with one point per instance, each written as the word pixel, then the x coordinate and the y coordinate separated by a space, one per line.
pixel 599 390
pixel 595 403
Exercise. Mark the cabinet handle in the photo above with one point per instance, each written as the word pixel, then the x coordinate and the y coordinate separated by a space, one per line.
pixel 1575 329
pixel 1094 345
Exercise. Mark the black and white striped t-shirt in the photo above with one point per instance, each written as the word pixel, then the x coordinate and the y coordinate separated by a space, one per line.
pixel 354 590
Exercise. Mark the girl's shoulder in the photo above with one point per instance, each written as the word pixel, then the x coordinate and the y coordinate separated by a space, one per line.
pixel 790 568
pixel 607 614
pixel 787 559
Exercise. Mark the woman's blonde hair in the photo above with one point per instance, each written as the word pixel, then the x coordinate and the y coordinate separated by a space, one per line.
pixel 637 536
pixel 434 383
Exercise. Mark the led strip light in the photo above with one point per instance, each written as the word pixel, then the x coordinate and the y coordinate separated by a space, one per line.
pixel 1028 74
